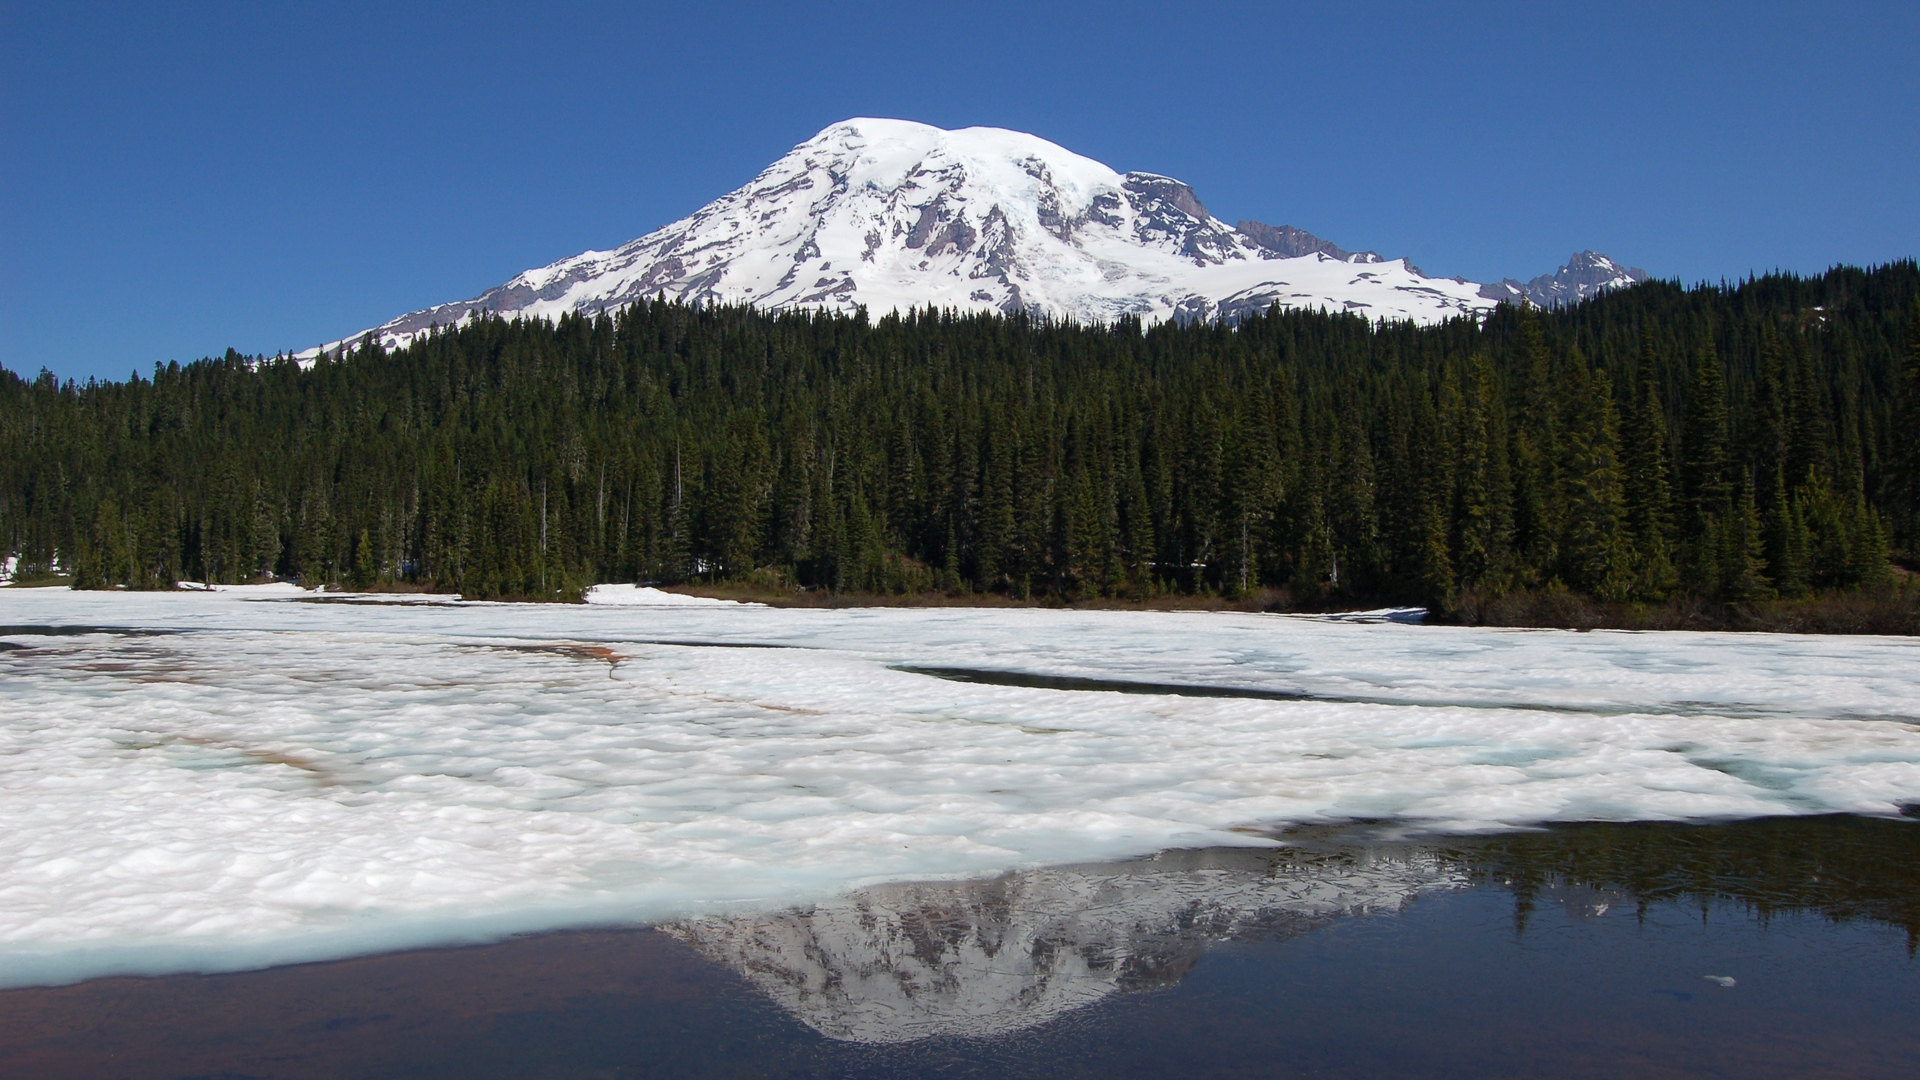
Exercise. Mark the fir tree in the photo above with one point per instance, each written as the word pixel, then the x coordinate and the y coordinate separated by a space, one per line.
pixel 1597 542
pixel 1906 436
pixel 1649 500
pixel 1786 541
pixel 1708 471
pixel 1536 454
pixel 1743 562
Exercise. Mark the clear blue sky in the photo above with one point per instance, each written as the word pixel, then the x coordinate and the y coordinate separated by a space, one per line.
pixel 177 179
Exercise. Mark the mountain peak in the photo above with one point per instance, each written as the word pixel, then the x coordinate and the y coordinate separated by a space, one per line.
pixel 1586 273
pixel 892 214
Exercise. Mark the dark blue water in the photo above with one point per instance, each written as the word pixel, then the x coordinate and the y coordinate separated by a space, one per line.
pixel 1579 952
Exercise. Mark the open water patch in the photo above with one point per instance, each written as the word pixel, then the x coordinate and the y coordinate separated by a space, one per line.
pixel 1078 683
pixel 1035 681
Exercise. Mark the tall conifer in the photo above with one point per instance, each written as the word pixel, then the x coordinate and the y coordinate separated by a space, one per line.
pixel 1597 541
pixel 1649 498
pixel 1906 441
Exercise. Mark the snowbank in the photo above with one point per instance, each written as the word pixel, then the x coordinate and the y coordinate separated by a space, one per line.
pixel 644 596
pixel 272 590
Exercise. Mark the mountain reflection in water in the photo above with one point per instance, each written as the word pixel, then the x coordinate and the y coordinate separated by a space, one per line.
pixel 903 962
pixel 896 963
pixel 1585 952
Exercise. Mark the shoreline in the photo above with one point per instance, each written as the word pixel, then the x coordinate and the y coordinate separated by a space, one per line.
pixel 1895 614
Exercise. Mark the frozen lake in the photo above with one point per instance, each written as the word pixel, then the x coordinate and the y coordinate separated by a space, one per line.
pixel 1775 948
pixel 217 781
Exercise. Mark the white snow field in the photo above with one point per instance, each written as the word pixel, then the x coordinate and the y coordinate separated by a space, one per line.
pixel 213 780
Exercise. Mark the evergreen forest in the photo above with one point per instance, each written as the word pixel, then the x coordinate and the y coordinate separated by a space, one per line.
pixel 1733 443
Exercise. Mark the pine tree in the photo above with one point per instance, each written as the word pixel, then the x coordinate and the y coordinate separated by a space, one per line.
pixel 1597 543
pixel 1906 437
pixel 1088 543
pixel 1649 499
pixel 1707 473
pixel 1432 495
pixel 366 568
pixel 678 556
pixel 1743 551
pixel 1248 484
pixel 1316 564
pixel 1786 541
pixel 999 511
pixel 1869 565
pixel 1351 511
pixel 1483 513
pixel 1137 526
pixel 1809 456
pixel 1536 455
pixel 1773 409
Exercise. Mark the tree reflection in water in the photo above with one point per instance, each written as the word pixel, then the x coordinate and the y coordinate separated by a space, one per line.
pixel 1840 866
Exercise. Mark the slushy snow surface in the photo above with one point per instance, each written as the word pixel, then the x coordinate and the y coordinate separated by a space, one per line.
pixel 211 780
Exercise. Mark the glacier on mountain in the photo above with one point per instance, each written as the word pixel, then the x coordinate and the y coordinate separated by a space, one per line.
pixel 892 215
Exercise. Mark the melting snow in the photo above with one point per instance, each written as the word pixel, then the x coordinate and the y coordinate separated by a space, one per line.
pixel 645 596
pixel 214 780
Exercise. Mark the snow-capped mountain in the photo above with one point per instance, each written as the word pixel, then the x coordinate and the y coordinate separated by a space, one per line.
pixel 1587 273
pixel 894 963
pixel 892 214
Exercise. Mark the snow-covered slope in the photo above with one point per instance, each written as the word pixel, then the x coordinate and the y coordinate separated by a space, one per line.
pixel 892 215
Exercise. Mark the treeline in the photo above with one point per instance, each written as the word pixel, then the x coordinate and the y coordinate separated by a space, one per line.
pixel 1731 443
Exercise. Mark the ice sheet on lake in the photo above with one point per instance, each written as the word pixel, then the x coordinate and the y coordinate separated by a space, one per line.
pixel 201 780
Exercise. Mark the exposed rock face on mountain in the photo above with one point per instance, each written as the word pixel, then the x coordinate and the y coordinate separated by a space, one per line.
pixel 1287 242
pixel 890 215
pixel 1587 273
pixel 901 962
